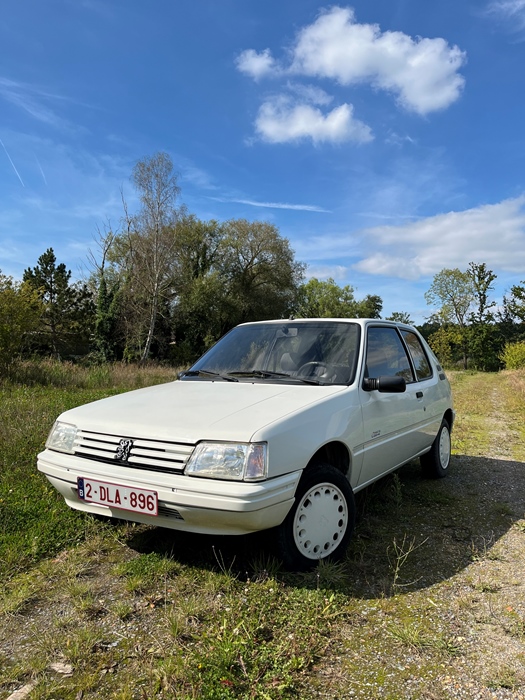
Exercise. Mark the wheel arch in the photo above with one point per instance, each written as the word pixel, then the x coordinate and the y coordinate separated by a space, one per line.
pixel 335 453
pixel 449 417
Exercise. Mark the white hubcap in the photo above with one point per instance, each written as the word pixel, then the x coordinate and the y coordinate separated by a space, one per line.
pixel 320 521
pixel 444 448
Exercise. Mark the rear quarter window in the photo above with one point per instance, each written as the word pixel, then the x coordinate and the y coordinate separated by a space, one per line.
pixel 419 357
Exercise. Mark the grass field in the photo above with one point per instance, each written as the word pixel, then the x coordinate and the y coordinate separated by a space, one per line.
pixel 429 603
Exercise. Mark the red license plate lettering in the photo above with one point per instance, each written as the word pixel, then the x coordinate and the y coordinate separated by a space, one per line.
pixel 118 496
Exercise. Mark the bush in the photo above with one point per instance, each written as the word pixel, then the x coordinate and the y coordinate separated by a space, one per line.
pixel 513 356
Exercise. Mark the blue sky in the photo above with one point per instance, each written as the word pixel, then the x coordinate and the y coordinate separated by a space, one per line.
pixel 384 138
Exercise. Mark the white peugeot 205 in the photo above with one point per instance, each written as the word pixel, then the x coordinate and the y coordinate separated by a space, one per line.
pixel 276 427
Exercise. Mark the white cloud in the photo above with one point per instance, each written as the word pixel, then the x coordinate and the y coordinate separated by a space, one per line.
pixel 508 8
pixel 422 72
pixel 32 100
pixel 256 65
pixel 323 272
pixel 510 11
pixel 310 93
pixel 493 233
pixel 281 119
pixel 276 205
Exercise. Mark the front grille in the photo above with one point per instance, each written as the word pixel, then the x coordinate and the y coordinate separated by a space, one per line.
pixel 153 455
pixel 170 512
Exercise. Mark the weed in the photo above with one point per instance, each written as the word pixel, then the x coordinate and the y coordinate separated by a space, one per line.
pixel 416 637
pixel 16 597
pixel 398 554
pixel 505 677
pixel 123 610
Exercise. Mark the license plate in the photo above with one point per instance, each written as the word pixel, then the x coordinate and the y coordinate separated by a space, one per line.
pixel 123 497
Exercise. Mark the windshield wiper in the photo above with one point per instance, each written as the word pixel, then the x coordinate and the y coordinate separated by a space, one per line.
pixel 267 374
pixel 206 373
pixel 260 373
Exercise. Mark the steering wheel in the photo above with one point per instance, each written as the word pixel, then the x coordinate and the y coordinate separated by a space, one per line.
pixel 312 366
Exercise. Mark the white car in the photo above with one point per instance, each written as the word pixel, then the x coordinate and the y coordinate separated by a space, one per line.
pixel 276 426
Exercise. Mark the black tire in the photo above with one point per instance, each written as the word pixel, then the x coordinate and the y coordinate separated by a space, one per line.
pixel 436 462
pixel 320 522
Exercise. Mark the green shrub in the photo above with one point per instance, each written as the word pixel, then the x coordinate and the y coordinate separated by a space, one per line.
pixel 513 356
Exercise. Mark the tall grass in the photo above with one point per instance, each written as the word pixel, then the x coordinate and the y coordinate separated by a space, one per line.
pixel 33 519
pixel 116 375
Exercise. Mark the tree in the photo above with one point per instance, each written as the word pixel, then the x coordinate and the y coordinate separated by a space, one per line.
pixel 485 339
pixel 107 284
pixel 516 302
pixel 482 280
pixel 148 246
pixel 454 290
pixel 400 317
pixel 20 311
pixel 326 299
pixel 260 273
pixel 369 307
pixel 200 305
pixel 67 315
pixel 106 320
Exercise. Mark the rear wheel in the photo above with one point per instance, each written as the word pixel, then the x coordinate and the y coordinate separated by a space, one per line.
pixel 321 520
pixel 435 463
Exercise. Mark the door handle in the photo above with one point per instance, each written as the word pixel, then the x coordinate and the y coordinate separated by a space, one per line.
pixel 419 394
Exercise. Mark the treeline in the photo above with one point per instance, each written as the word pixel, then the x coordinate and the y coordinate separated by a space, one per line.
pixel 165 286
pixel 467 329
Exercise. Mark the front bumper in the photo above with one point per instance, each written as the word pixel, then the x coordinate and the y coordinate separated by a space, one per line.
pixel 191 504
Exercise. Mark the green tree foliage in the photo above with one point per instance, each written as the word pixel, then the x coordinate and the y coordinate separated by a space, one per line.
pixel 67 309
pixel 452 291
pixel 20 312
pixel 107 320
pixel 482 280
pixel 513 355
pixel 467 326
pixel 200 306
pixel 446 341
pixel 516 302
pixel 227 274
pixel 326 299
pixel 184 282
pixel 259 269
pixel 369 307
pixel 400 317
pixel 485 340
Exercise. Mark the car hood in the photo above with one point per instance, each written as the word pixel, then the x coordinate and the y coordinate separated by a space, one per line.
pixel 188 411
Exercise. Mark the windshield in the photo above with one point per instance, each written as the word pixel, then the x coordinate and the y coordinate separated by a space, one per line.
pixel 320 352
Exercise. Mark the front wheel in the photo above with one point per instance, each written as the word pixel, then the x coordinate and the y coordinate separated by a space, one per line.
pixel 435 462
pixel 321 520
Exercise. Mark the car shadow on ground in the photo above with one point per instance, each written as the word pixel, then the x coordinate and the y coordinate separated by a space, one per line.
pixel 410 532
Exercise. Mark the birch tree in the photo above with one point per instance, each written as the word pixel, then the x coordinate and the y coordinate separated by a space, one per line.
pixel 149 245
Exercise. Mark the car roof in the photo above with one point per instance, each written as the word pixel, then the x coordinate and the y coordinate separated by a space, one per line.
pixel 359 321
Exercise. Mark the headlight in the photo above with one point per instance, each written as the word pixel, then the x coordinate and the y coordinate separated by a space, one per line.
pixel 62 437
pixel 226 460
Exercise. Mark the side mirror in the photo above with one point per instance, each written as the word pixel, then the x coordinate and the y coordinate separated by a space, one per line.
pixel 385 385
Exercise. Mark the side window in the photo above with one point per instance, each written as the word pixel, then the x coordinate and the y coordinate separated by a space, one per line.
pixel 386 355
pixel 418 354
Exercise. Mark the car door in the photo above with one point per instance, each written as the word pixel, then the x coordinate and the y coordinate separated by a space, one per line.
pixel 393 423
pixel 432 386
